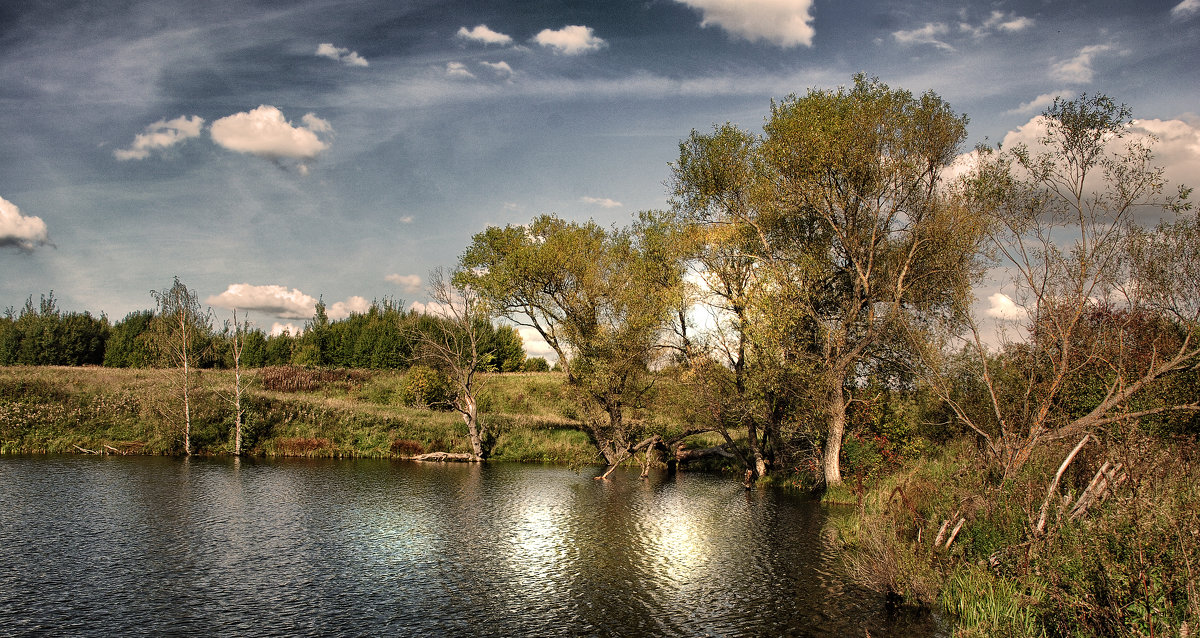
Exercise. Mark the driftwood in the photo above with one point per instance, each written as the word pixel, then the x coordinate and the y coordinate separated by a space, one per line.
pixel 683 456
pixel 446 457
pixel 1107 476
pixel 85 450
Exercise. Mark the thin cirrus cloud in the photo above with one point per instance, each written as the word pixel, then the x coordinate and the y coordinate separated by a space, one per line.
pixel 24 232
pixel 570 40
pixel 410 284
pixel 161 135
pixel 930 34
pixel 483 34
pixel 341 54
pixel 602 202
pixel 279 301
pixel 784 23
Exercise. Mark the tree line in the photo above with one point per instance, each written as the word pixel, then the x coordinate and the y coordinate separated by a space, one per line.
pixel 386 336
pixel 808 275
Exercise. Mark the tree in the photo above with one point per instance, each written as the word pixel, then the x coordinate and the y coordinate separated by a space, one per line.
pixel 598 298
pixel 127 345
pixel 182 329
pixel 237 347
pixel 455 346
pixel 825 235
pixel 1088 279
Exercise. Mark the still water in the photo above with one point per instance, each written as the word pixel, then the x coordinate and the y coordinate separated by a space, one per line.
pixel 106 546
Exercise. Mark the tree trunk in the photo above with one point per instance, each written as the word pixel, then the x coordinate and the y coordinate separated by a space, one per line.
pixel 470 414
pixel 831 463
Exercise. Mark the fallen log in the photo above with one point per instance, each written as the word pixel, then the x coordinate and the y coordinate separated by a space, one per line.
pixel 446 457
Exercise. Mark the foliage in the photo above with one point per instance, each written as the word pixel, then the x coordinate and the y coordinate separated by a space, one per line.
pixel 45 335
pixel 425 387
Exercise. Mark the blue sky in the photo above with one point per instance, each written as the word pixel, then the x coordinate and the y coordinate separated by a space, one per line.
pixel 269 152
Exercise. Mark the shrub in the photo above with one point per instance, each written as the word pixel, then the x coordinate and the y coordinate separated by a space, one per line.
pixel 425 387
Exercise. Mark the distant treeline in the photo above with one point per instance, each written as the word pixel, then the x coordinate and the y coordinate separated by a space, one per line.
pixel 384 337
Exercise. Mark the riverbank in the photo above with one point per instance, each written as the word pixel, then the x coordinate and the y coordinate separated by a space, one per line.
pixel 340 414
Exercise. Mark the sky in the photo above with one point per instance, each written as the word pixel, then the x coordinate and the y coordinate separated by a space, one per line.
pixel 270 153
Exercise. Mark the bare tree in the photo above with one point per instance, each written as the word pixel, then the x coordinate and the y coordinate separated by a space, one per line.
pixel 183 328
pixel 1062 216
pixel 237 346
pixel 453 344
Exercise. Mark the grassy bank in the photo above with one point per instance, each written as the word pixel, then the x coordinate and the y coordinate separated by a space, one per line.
pixel 334 414
pixel 946 533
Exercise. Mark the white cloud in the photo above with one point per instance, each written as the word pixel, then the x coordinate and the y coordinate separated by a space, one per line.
pixel 432 308
pixel 160 135
pixel 1001 306
pixel 786 23
pixel 279 301
pixel 603 202
pixel 408 283
pixel 500 68
pixel 1177 148
pixel 997 21
pixel 482 33
pixel 927 34
pixel 570 40
pixel 1037 104
pixel 459 70
pixel 26 232
pixel 279 328
pixel 1078 70
pixel 1186 9
pixel 352 306
pixel 407 219
pixel 343 55
pixel 535 345
pixel 266 133
pixel 270 299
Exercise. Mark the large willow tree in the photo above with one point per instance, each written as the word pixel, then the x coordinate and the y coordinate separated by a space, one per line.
pixel 831 231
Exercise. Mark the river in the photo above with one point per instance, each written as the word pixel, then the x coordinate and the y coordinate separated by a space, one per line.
pixel 105 546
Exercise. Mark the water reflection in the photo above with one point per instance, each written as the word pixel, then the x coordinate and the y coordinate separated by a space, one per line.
pixel 101 546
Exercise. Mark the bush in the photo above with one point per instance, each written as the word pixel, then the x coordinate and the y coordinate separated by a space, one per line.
pixel 535 364
pixel 424 387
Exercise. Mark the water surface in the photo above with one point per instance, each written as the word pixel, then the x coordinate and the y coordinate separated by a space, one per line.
pixel 100 546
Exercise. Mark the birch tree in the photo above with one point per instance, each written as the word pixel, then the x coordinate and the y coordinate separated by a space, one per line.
pixel 183 328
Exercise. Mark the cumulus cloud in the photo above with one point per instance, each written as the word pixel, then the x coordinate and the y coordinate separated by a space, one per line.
pixel 570 40
pixel 603 202
pixel 266 133
pixel 271 299
pixel 161 135
pixel 928 34
pixel 343 55
pixel 459 70
pixel 1078 70
pixel 352 306
pixel 278 328
pixel 408 283
pixel 535 345
pixel 432 308
pixel 279 301
pixel 501 68
pixel 25 232
pixel 785 23
pixel 1001 306
pixel 1186 9
pixel 481 33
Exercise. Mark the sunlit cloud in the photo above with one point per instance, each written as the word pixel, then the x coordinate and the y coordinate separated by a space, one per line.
pixel 264 132
pixel 1078 70
pixel 998 21
pixel 535 345
pixel 278 328
pixel 343 55
pixel 352 306
pixel 928 34
pixel 410 284
pixel 459 70
pixel 270 299
pixel 501 68
pixel 1186 9
pixel 1037 104
pixel 602 202
pixel 161 135
pixel 1002 307
pixel 570 40
pixel 24 232
pixel 785 23
pixel 482 33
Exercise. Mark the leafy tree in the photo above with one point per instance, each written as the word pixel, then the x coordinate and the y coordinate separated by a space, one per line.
pixel 598 298
pixel 182 332
pixel 128 344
